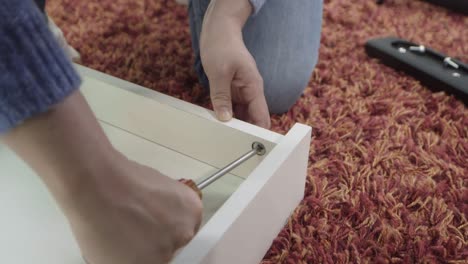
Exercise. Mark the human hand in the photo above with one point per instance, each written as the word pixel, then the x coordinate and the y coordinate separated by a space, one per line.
pixel 120 212
pixel 235 82
pixel 134 214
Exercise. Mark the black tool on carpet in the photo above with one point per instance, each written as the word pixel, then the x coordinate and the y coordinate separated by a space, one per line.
pixel 434 69
pixel 456 5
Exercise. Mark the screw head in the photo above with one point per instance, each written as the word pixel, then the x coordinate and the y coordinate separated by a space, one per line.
pixel 259 148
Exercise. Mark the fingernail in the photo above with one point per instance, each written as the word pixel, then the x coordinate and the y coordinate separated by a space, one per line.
pixel 224 114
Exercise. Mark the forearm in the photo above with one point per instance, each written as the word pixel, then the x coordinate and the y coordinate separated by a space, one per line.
pixel 236 12
pixel 224 16
pixel 119 211
pixel 65 146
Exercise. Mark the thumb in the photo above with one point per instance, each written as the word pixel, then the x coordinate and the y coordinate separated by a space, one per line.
pixel 220 93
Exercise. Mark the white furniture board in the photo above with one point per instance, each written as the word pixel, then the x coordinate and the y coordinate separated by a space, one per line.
pixel 156 156
pixel 205 140
pixel 174 165
pixel 32 227
pixel 30 221
pixel 240 231
pixel 178 104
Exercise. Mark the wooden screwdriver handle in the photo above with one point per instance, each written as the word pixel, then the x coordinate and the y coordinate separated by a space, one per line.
pixel 192 185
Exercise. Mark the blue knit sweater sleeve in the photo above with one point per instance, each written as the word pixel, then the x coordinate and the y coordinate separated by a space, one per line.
pixel 35 74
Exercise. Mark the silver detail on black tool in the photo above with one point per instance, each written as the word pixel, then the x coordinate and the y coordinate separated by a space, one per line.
pixel 434 69
pixel 456 75
pixel 420 48
pixel 449 62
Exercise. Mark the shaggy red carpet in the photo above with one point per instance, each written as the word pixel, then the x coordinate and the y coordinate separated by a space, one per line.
pixel 388 173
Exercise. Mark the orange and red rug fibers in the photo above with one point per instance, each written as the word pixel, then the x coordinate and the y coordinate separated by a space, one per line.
pixel 388 172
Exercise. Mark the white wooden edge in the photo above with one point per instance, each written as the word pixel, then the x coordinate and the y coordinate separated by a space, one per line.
pixel 179 104
pixel 242 230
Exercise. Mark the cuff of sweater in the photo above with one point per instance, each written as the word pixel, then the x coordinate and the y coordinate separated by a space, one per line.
pixel 257 5
pixel 34 72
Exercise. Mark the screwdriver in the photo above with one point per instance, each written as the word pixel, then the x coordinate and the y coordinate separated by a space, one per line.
pixel 257 149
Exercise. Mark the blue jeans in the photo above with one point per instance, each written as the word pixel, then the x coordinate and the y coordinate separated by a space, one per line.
pixel 284 39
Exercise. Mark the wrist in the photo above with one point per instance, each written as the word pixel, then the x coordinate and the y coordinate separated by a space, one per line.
pixel 86 180
pixel 223 23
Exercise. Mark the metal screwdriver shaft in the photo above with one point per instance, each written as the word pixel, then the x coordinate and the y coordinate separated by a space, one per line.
pixel 257 149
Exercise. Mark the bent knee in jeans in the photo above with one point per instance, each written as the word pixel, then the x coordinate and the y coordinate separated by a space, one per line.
pixel 283 38
pixel 283 90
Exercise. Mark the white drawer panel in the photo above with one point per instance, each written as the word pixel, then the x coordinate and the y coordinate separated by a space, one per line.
pixel 182 141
